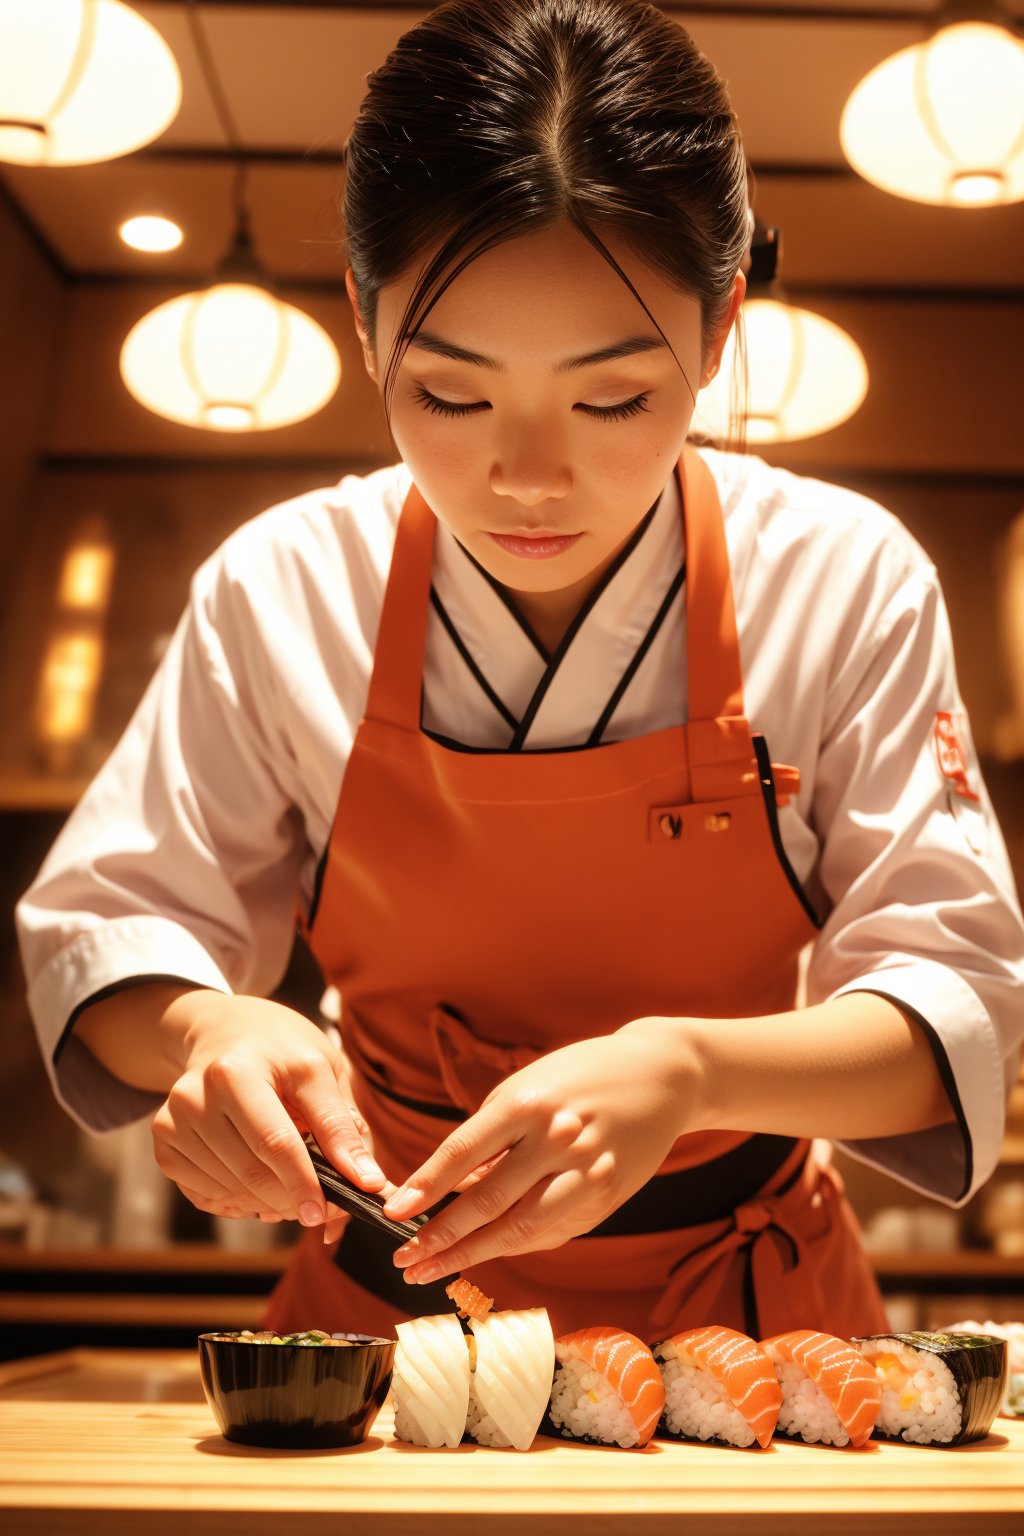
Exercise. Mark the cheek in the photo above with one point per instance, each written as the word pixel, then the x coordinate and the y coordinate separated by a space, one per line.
pixel 434 449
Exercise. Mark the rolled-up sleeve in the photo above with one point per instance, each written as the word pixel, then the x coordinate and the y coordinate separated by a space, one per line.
pixel 923 905
pixel 181 860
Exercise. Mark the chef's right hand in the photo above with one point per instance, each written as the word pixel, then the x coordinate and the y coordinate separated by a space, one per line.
pixel 256 1076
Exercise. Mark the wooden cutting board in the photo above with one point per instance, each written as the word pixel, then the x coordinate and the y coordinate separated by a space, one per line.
pixel 111 1442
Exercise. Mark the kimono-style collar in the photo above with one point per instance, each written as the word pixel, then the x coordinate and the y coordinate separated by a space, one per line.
pixel 487 680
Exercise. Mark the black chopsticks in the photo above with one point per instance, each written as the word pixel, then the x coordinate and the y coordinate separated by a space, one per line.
pixel 358 1202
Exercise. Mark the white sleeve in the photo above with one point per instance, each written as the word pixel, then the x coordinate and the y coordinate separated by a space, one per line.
pixel 182 858
pixel 924 909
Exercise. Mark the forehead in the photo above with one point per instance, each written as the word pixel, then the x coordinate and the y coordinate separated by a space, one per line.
pixel 548 293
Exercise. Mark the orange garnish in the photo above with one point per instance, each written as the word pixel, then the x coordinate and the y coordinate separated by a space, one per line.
pixel 469 1300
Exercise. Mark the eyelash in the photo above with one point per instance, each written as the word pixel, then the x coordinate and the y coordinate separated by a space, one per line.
pixel 602 412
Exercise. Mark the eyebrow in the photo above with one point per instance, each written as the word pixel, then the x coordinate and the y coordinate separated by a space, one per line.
pixel 428 342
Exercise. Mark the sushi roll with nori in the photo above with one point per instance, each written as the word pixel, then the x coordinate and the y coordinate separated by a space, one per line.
pixel 512 1358
pixel 937 1388
pixel 431 1381
pixel 719 1385
pixel 607 1388
pixel 830 1394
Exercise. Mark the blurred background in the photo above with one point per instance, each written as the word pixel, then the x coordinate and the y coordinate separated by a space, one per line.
pixel 111 495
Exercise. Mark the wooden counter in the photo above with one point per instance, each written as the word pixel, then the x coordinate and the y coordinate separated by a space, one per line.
pixel 111 1442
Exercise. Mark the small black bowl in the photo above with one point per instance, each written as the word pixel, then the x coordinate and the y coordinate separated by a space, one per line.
pixel 300 1396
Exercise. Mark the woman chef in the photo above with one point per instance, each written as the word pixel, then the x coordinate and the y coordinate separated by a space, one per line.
pixel 564 740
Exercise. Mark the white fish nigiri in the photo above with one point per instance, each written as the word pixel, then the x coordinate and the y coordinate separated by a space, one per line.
pixel 431 1381
pixel 511 1384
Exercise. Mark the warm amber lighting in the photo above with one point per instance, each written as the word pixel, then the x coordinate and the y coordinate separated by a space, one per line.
pixel 806 376
pixel 80 81
pixel 230 358
pixel 1009 727
pixel 67 690
pixel 943 122
pixel 86 575
pixel 151 232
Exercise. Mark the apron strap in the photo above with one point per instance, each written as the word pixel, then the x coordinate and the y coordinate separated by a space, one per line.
pixel 714 675
pixel 397 682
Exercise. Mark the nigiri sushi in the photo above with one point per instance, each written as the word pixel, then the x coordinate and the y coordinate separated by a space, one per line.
pixel 607 1388
pixel 937 1388
pixel 431 1381
pixel 719 1385
pixel 512 1365
pixel 830 1393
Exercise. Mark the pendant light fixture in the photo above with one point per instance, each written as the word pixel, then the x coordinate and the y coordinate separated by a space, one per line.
pixel 231 356
pixel 805 374
pixel 942 122
pixel 81 81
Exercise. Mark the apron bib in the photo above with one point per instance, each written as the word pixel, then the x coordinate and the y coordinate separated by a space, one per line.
pixel 478 909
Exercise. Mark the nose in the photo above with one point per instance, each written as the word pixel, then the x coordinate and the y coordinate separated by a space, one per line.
pixel 531 471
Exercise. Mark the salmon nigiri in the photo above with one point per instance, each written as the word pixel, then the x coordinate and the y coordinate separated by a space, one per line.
pixel 607 1388
pixel 829 1391
pixel 719 1385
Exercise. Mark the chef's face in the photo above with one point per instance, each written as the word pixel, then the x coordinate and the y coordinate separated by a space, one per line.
pixel 508 443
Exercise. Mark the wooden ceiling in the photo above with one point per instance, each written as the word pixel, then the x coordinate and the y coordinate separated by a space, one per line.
pixel 293 76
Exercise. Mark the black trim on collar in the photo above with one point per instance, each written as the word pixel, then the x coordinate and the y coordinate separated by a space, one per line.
pixel 583 613
pixel 109 991
pixel 502 592
pixel 627 677
pixel 460 645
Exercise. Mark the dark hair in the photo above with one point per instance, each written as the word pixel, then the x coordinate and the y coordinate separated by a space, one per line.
pixel 494 118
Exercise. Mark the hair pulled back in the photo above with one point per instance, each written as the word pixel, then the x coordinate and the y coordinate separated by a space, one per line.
pixel 491 119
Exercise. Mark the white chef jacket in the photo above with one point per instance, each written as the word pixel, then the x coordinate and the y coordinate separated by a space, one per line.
pixel 189 852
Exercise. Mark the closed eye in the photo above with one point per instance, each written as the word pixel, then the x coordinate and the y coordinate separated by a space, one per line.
pixel 617 412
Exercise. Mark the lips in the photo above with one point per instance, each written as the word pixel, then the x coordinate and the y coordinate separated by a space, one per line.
pixel 535 545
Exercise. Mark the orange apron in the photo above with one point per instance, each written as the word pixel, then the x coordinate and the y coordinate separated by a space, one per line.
pixel 477 909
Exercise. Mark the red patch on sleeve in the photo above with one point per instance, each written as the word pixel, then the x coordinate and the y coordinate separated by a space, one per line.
pixel 952 755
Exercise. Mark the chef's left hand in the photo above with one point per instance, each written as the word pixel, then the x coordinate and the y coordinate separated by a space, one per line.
pixel 561 1144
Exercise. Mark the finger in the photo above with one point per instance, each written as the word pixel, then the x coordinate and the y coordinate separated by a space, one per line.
pixel 483 1202
pixel 485 1135
pixel 337 1126
pixel 334 1227
pixel 268 1154
pixel 264 1157
pixel 213 1207
pixel 191 1175
pixel 544 1218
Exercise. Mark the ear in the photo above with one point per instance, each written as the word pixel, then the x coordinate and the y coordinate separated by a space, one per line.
pixel 364 341
pixel 713 358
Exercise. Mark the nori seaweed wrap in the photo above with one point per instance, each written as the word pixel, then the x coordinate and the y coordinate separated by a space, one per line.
pixel 937 1388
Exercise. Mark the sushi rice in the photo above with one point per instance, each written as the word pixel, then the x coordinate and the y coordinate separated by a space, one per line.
pixel 607 1388
pixel 587 1406
pixel 806 1412
pixel 697 1406
pixel 920 1401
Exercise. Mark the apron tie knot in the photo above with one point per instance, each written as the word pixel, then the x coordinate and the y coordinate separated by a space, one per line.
pixel 760 1237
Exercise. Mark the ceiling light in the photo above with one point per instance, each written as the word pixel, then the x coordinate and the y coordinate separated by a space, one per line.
pixel 231 357
pixel 151 232
pixel 942 122
pixel 805 375
pixel 83 80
